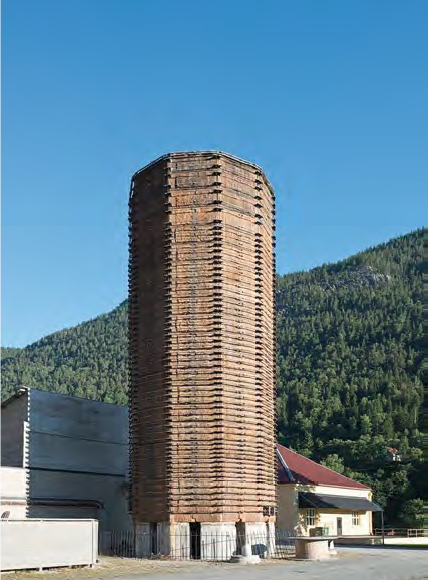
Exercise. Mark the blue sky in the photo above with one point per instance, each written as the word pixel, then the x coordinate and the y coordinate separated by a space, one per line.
pixel 329 97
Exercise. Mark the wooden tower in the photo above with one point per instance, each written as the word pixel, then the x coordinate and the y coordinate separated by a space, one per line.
pixel 202 346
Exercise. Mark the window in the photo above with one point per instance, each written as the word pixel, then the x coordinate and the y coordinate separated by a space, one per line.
pixel 269 510
pixel 355 519
pixel 310 517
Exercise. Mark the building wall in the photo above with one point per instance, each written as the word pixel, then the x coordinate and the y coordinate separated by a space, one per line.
pixel 202 340
pixel 287 509
pixel 293 519
pixel 78 459
pixel 328 519
pixel 343 491
pixel 13 426
pixel 14 492
pixel 60 494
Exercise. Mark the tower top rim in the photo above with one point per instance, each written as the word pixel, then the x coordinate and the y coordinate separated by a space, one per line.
pixel 204 152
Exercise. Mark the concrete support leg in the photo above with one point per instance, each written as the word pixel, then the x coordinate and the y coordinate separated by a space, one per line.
pixel 261 537
pixel 143 541
pixel 163 538
pixel 271 538
pixel 180 541
pixel 218 541
pixel 246 557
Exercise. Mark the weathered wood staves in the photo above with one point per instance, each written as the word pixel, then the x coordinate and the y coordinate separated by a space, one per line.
pixel 202 341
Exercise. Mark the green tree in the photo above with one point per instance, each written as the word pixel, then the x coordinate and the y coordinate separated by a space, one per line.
pixel 334 462
pixel 414 514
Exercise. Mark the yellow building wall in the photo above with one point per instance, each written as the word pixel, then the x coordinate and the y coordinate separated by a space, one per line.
pixel 328 519
pixel 293 520
pixel 288 511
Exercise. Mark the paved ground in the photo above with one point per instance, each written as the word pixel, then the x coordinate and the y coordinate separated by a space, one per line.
pixel 351 564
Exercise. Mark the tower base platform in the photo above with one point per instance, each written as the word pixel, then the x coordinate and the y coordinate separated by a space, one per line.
pixel 205 540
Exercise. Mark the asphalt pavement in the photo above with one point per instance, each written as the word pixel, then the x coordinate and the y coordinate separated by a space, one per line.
pixel 350 564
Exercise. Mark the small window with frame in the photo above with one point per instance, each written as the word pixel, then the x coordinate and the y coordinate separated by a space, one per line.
pixel 355 519
pixel 310 517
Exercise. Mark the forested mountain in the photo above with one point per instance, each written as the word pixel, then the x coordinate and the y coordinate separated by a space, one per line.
pixel 7 352
pixel 349 367
pixel 89 360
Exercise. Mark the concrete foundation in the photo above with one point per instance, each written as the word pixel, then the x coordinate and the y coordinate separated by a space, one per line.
pixel 204 541
pixel 164 539
pixel 218 541
pixel 180 542
pixel 261 537
pixel 246 557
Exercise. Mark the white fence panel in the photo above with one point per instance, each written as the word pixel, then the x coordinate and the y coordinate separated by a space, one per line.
pixel 34 543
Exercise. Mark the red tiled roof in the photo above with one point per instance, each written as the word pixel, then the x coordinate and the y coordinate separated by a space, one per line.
pixel 306 471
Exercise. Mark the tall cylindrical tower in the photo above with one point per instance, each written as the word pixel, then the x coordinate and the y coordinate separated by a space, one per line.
pixel 202 347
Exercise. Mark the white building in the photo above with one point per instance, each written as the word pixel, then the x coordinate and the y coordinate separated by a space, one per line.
pixel 312 496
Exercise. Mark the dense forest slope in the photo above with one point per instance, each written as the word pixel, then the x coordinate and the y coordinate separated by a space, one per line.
pixel 349 367
pixel 89 360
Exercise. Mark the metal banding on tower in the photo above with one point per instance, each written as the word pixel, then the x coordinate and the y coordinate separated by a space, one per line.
pixel 202 343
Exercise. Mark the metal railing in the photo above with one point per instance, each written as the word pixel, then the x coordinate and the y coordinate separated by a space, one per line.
pixel 402 532
pixel 117 543
pixel 200 546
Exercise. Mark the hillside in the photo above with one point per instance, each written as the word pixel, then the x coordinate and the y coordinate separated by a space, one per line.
pixel 9 352
pixel 89 360
pixel 349 359
pixel 350 335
